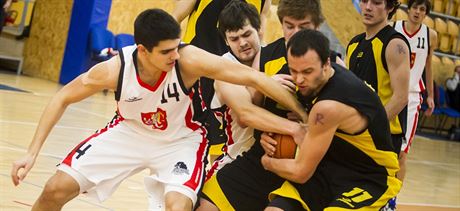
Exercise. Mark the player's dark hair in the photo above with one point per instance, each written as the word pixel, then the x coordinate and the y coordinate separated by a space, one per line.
pixel 236 15
pixel 300 9
pixel 306 40
pixel 153 26
pixel 419 2
pixel 394 5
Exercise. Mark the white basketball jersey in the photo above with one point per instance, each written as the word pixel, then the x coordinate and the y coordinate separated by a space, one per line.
pixel 239 139
pixel 162 111
pixel 420 47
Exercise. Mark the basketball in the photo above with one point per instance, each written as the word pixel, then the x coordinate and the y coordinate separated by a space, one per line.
pixel 286 146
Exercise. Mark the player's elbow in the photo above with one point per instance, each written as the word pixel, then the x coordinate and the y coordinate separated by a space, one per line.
pixel 300 176
pixel 245 117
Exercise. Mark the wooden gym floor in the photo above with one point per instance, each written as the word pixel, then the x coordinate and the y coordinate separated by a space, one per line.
pixel 432 181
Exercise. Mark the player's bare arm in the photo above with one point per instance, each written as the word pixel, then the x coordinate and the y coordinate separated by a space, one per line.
pixel 325 118
pixel 239 100
pixel 398 56
pixel 429 72
pixel 102 76
pixel 183 9
pixel 196 62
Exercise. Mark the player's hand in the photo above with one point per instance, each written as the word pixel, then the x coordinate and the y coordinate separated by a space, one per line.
pixel 286 81
pixel 265 160
pixel 299 133
pixel 430 103
pixel 25 163
pixel 268 143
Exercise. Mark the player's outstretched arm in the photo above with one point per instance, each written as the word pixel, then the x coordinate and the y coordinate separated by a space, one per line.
pixel 102 76
pixel 238 99
pixel 196 62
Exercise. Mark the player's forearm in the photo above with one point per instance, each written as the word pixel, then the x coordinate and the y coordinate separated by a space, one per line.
pixel 275 91
pixel 264 120
pixel 51 115
pixel 429 82
pixel 288 169
pixel 396 104
pixel 183 9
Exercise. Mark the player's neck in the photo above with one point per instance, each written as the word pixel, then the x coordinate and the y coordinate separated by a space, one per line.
pixel 412 27
pixel 372 30
pixel 148 73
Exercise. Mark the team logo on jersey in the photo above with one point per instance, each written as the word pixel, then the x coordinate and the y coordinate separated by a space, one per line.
pixel 133 99
pixel 180 168
pixel 412 59
pixel 155 119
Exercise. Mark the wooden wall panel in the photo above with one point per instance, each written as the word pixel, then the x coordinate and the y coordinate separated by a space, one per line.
pixel 44 49
pixel 343 19
pixel 123 13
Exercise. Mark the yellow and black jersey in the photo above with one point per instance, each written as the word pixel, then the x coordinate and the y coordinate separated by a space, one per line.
pixel 366 58
pixel 370 150
pixel 358 170
pixel 201 28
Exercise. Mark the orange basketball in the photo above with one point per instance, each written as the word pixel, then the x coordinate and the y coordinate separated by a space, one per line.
pixel 286 146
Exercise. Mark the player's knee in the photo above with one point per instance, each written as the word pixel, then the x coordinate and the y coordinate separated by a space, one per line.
pixel 58 191
pixel 273 209
pixel 178 203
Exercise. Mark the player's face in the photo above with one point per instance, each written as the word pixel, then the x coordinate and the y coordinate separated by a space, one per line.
pixel 373 12
pixel 307 72
pixel 244 43
pixel 417 13
pixel 291 26
pixel 164 55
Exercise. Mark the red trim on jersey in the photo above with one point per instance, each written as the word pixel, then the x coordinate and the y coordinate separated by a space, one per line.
pixel 212 170
pixel 147 86
pixel 414 127
pixel 198 170
pixel 421 85
pixel 228 129
pixel 68 159
pixel 407 33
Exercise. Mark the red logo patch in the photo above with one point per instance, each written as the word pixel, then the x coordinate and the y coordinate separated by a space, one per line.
pixel 156 119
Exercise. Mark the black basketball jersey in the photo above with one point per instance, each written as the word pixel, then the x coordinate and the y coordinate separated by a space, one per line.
pixel 371 150
pixel 366 58
pixel 202 29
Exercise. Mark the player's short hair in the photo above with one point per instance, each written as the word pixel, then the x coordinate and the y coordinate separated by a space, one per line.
pixel 153 26
pixel 300 9
pixel 236 15
pixel 394 5
pixel 306 40
pixel 419 2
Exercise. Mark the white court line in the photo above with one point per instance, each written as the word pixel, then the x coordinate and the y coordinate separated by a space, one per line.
pixel 56 126
pixel 92 113
pixel 433 163
pixel 429 205
pixel 78 199
pixel 24 150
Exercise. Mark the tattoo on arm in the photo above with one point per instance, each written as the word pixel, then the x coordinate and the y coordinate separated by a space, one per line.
pixel 401 49
pixel 319 119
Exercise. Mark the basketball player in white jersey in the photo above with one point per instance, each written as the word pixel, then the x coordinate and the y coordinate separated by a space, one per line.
pixel 239 25
pixel 153 128
pixel 423 41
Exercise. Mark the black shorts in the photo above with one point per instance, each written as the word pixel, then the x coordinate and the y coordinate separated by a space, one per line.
pixel 333 186
pixel 397 140
pixel 241 185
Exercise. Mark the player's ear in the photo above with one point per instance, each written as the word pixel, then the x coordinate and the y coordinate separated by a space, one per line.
pixel 142 49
